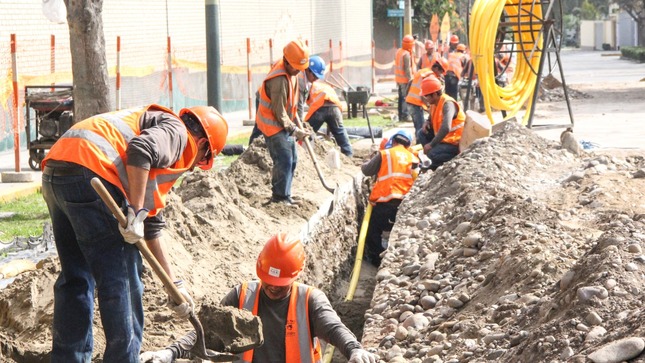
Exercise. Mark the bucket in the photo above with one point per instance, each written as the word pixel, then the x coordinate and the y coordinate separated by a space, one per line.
pixel 475 127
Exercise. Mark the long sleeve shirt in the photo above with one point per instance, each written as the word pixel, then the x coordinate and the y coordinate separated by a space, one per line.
pixel 278 91
pixel 449 110
pixel 324 324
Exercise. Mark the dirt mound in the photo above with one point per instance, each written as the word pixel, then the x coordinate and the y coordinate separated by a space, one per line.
pixel 516 251
pixel 551 89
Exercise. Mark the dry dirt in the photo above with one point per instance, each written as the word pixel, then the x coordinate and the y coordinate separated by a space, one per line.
pixel 488 262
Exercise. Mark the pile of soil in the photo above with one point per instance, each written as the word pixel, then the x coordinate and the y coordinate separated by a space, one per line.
pixel 515 251
pixel 551 89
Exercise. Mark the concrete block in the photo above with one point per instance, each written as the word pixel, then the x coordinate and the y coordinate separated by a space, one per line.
pixel 17 177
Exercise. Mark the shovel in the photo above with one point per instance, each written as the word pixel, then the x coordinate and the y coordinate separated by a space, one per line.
pixel 199 349
pixel 313 158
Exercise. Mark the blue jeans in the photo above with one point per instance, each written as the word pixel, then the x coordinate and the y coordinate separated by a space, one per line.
pixel 333 117
pixel 417 116
pixel 282 149
pixel 402 105
pixel 92 255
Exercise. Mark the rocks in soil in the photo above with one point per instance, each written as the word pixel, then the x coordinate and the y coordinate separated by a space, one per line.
pixel 228 329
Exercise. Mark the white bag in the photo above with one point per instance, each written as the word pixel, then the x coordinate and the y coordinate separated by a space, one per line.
pixel 333 158
pixel 55 11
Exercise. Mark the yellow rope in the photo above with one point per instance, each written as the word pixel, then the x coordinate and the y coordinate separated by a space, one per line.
pixel 485 16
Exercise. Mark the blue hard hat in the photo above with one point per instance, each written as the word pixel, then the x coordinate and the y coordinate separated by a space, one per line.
pixel 402 133
pixel 317 66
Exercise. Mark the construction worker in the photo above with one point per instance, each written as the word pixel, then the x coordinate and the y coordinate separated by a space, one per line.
pixel 138 154
pixel 440 135
pixel 394 167
pixel 277 298
pixel 454 42
pixel 403 71
pixel 414 101
pixel 324 105
pixel 278 103
pixel 455 68
pixel 439 69
pixel 428 59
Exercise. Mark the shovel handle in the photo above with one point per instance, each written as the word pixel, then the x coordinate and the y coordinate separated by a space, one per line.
pixel 174 293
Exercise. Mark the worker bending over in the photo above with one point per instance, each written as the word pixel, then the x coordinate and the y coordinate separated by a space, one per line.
pixel 278 298
pixel 441 134
pixel 394 168
pixel 413 99
pixel 138 154
pixel 324 105
pixel 277 109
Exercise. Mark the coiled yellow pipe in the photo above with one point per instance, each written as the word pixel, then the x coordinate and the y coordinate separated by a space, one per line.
pixel 483 29
pixel 356 272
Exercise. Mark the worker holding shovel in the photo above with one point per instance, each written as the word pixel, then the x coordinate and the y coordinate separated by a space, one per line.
pixel 138 154
pixel 294 316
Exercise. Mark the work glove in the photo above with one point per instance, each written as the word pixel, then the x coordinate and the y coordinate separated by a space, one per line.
pixel 363 356
pixel 307 126
pixel 160 356
pixel 133 231
pixel 300 134
pixel 181 311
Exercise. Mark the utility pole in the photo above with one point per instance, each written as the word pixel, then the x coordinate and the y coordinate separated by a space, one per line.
pixel 213 67
pixel 407 23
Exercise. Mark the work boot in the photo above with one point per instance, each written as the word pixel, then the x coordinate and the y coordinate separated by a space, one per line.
pixel 288 201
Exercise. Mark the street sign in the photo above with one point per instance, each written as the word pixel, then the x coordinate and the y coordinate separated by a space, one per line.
pixel 394 13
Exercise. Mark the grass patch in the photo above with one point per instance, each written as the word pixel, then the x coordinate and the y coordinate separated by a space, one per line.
pixel 375 121
pixel 30 215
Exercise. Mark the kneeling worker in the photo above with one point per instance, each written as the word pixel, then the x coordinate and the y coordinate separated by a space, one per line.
pixel 276 297
pixel 440 135
pixel 394 167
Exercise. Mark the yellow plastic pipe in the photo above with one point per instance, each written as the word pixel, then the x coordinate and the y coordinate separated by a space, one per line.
pixel 356 272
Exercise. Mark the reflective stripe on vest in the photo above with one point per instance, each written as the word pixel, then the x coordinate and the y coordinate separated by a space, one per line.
pixel 399 70
pixel 99 143
pixel 299 345
pixel 457 126
pixel 394 178
pixel 426 62
pixel 414 94
pixel 319 93
pixel 264 118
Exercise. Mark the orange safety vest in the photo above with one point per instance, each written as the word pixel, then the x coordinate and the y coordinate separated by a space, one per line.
pixel 264 117
pixel 414 94
pixel 426 62
pixel 299 346
pixel 99 143
pixel 457 127
pixel 399 71
pixel 318 94
pixel 454 63
pixel 394 178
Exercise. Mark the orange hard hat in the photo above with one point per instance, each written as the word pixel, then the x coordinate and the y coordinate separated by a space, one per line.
pixel 454 39
pixel 461 47
pixel 430 84
pixel 214 125
pixel 429 45
pixel 297 54
pixel 281 260
pixel 443 64
pixel 383 143
pixel 408 42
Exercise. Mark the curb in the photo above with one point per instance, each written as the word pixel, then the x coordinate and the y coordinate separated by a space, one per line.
pixel 18 191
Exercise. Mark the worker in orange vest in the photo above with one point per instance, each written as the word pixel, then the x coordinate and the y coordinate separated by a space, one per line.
pixel 414 101
pixel 441 134
pixel 403 71
pixel 277 298
pixel 395 169
pixel 430 56
pixel 324 105
pixel 138 154
pixel 277 109
pixel 439 69
pixel 455 68
pixel 454 42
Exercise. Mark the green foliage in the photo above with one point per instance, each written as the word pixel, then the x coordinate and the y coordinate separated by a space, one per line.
pixel 635 53
pixel 423 10
pixel 30 215
pixel 588 11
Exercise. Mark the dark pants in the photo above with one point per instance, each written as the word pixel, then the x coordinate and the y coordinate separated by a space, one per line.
pixel 93 255
pixel 333 117
pixel 440 153
pixel 282 149
pixel 382 219
pixel 402 105
pixel 417 116
pixel 452 85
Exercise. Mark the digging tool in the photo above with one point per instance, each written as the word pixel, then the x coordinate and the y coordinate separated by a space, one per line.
pixel 337 81
pixel 345 80
pixel 313 158
pixel 199 349
pixel 333 84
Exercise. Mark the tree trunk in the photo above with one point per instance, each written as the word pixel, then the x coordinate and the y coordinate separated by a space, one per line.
pixel 89 66
pixel 641 32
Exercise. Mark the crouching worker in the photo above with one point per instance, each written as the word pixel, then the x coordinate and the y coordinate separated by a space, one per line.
pixel 281 302
pixel 440 135
pixel 395 170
